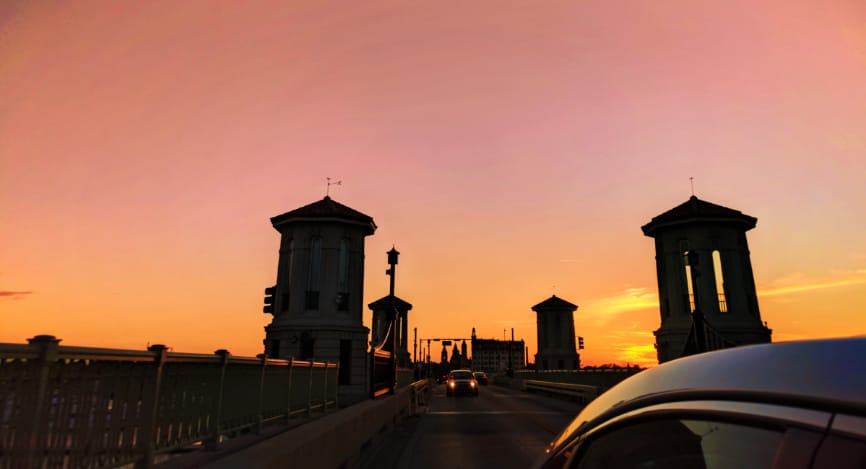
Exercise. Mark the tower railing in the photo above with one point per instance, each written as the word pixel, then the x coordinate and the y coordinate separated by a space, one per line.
pixel 63 406
pixel 712 338
pixel 723 304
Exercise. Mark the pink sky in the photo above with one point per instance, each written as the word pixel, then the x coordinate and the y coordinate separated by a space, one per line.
pixel 503 147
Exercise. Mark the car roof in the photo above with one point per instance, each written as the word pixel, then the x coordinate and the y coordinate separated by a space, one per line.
pixel 829 374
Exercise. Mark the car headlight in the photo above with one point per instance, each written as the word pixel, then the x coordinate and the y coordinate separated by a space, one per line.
pixel 472 383
pixel 451 383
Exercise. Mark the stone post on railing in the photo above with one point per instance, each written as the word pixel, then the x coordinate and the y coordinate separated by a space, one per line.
pixel 47 346
pixel 289 390
pixel 325 388
pixel 261 406
pixel 310 391
pixel 336 388
pixel 213 443
pixel 150 405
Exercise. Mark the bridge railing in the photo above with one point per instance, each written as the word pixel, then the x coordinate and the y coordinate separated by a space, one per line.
pixel 580 392
pixel 63 406
pixel 604 378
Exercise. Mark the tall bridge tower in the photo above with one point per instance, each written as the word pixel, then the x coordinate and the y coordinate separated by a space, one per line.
pixel 707 296
pixel 317 302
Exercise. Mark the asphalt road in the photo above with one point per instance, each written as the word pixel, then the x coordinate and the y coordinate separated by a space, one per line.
pixel 501 428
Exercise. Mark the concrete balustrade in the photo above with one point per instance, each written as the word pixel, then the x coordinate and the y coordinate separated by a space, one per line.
pixel 64 406
pixel 336 440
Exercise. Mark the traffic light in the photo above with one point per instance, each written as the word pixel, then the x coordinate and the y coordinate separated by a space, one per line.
pixel 580 343
pixel 269 299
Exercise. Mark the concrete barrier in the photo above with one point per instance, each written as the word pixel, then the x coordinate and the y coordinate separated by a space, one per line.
pixel 332 441
pixel 579 392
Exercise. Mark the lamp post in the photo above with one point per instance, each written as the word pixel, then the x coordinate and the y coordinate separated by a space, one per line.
pixel 392 316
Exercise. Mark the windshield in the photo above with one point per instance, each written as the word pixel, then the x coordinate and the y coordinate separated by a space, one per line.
pixel 461 375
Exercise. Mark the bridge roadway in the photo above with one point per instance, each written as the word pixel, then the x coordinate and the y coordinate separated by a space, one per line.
pixel 502 428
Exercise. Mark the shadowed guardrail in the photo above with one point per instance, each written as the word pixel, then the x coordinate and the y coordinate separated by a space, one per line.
pixel 579 392
pixel 604 378
pixel 63 406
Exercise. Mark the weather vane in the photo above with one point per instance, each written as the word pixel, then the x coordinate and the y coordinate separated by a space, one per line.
pixel 692 181
pixel 328 190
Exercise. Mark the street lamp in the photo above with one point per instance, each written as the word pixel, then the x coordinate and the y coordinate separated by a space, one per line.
pixel 392 316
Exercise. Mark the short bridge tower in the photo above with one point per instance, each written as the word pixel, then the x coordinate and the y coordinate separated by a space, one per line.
pixel 556 347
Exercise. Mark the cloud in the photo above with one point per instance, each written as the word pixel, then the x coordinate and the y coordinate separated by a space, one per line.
pixel 14 295
pixel 634 299
pixel 812 286
pixel 630 299
pixel 515 322
pixel 643 355
pixel 602 311
pixel 629 335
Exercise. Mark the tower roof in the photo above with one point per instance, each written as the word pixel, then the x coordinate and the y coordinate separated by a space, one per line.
pixel 696 210
pixel 555 303
pixel 384 302
pixel 326 209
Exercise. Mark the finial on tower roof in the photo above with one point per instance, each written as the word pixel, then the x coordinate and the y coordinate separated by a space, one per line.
pixel 328 190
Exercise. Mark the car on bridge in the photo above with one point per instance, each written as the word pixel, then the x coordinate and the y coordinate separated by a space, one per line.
pixel 481 377
pixel 461 382
pixel 792 405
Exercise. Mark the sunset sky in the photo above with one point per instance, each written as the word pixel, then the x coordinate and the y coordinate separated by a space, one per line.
pixel 510 150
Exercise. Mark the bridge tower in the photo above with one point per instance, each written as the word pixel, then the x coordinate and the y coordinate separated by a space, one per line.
pixel 556 347
pixel 380 326
pixel 704 279
pixel 318 298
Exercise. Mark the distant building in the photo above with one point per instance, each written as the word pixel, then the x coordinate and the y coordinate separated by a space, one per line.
pixel 456 358
pixel 707 296
pixel 555 325
pixel 317 305
pixel 493 355
pixel 380 326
